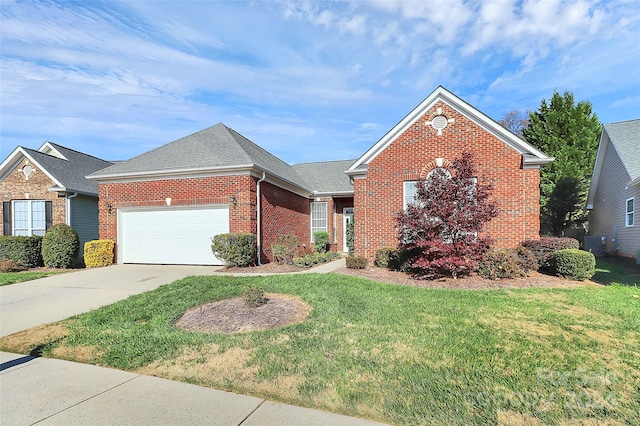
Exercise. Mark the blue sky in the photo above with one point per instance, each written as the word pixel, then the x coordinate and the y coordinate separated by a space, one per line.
pixel 308 81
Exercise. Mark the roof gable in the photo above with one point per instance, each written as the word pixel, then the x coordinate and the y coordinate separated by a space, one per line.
pixel 532 157
pixel 65 167
pixel 214 149
pixel 624 139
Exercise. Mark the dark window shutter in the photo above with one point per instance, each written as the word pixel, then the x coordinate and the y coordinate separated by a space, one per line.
pixel 48 214
pixel 6 217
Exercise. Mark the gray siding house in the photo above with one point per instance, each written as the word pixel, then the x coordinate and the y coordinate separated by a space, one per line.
pixel 614 195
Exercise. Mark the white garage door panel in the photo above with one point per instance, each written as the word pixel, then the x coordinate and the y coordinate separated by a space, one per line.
pixel 172 236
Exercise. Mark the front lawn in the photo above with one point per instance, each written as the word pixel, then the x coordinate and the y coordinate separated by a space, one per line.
pixel 396 354
pixel 18 277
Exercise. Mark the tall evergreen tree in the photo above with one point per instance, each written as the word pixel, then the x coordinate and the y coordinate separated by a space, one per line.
pixel 571 133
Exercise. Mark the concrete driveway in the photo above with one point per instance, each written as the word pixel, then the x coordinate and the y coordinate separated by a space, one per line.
pixel 32 303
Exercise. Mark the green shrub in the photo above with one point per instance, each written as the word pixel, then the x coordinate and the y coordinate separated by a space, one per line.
pixel 354 262
pixel 498 264
pixel 321 241
pixel 525 258
pixel 285 249
pixel 60 246
pixel 98 253
pixel 25 251
pixel 350 238
pixel 312 259
pixel 573 264
pixel 543 248
pixel 235 249
pixel 253 296
pixel 10 265
pixel 387 257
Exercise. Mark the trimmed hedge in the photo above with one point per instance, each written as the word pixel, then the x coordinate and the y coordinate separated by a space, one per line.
pixel 573 264
pixel 236 249
pixel 25 251
pixel 543 248
pixel 60 246
pixel 98 253
pixel 354 262
pixel 387 257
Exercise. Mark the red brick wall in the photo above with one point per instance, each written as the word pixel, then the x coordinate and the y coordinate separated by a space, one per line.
pixel 15 186
pixel 193 191
pixel 378 197
pixel 282 210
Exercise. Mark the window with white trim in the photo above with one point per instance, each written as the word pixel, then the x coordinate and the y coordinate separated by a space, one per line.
pixel 629 212
pixel 318 217
pixel 410 188
pixel 410 191
pixel 29 217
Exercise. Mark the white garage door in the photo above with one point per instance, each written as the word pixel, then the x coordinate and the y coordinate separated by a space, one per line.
pixel 174 236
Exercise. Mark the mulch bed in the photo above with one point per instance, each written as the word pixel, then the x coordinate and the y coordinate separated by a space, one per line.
pixel 535 279
pixel 234 316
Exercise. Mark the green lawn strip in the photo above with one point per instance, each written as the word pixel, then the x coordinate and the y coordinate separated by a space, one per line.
pixel 7 278
pixel 611 273
pixel 397 354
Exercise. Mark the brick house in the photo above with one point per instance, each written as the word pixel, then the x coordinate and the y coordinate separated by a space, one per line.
pixel 165 205
pixel 44 187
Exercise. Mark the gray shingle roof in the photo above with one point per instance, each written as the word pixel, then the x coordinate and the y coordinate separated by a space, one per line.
pixel 217 147
pixel 327 176
pixel 625 137
pixel 70 174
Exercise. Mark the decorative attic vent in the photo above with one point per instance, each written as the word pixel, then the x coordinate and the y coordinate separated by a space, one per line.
pixel 27 171
pixel 440 121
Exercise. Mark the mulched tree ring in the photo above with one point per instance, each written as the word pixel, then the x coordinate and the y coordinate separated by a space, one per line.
pixel 234 316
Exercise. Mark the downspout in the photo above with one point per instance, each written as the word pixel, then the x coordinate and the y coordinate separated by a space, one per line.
pixel 69 197
pixel 259 215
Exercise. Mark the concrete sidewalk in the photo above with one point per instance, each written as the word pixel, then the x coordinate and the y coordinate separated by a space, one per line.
pixel 55 392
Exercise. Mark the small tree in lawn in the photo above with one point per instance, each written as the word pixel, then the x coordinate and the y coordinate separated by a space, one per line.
pixel 440 230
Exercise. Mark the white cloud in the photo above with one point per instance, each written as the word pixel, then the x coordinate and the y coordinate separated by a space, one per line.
pixel 319 73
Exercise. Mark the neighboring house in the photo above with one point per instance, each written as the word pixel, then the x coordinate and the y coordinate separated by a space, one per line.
pixel 614 195
pixel 165 205
pixel 48 186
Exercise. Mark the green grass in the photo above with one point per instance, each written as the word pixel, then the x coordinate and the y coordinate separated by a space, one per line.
pixel 7 278
pixel 396 354
pixel 616 271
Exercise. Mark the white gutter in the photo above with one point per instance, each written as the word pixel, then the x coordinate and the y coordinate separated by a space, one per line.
pixel 68 202
pixel 259 214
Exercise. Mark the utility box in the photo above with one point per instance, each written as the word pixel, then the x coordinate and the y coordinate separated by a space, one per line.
pixel 595 244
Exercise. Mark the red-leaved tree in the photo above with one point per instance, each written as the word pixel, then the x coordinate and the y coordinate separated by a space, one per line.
pixel 440 230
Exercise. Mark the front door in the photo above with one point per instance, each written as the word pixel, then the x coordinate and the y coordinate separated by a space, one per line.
pixel 347 218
